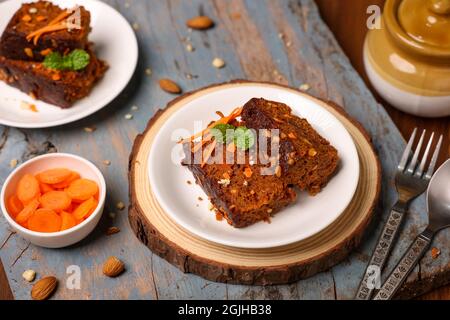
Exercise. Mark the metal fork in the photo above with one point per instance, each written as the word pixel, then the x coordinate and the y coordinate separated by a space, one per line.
pixel 411 180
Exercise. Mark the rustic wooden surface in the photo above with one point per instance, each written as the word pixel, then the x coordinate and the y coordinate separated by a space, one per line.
pixel 340 20
pixel 247 38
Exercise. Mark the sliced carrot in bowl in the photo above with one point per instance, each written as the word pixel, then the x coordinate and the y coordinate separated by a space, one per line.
pixel 45 220
pixel 68 220
pixel 64 184
pixel 52 176
pixel 84 208
pixel 14 206
pixel 27 211
pixel 44 187
pixel 82 189
pixel 28 189
pixel 55 200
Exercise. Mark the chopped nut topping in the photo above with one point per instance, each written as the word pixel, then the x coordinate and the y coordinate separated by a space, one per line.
pixel 218 63
pixel 233 191
pixel 13 163
pixel 278 171
pixel 292 135
pixel 224 182
pixel 90 129
pixel 190 48
pixel 226 175
pixel 28 52
pixel 56 77
pixel 29 275
pixel 291 162
pixel 41 18
pixel 305 87
pixel 120 205
pixel 245 183
pixel 32 10
pixel 312 152
pixel 269 210
pixel 252 192
pixel 283 135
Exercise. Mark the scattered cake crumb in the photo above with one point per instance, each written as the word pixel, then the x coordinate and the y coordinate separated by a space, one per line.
pixel 13 163
pixel 188 182
pixel 120 205
pixel 435 252
pixel 90 129
pixel 200 199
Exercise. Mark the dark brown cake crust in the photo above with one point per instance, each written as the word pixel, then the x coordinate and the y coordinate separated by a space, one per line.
pixel 61 88
pixel 306 158
pixel 14 45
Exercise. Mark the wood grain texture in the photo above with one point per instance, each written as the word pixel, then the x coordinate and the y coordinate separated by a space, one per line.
pixel 307 54
pixel 270 266
pixel 352 16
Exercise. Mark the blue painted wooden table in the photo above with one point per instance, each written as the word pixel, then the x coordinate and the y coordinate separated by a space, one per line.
pixel 280 41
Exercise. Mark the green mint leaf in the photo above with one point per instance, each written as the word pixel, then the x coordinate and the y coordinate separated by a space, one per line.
pixel 244 138
pixel 223 133
pixel 79 59
pixel 53 61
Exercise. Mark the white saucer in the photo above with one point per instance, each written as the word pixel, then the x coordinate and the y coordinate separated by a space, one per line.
pixel 112 36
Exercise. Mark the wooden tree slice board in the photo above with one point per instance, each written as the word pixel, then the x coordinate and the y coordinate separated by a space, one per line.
pixel 249 266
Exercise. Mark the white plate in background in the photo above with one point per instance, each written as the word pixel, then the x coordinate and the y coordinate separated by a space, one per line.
pixel 111 33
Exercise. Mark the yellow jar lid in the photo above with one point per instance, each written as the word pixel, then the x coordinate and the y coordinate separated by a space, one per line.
pixel 426 21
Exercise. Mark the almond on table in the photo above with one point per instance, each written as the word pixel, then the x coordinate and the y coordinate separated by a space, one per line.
pixel 53 200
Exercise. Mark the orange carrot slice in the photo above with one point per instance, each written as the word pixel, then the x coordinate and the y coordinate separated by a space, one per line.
pixel 67 221
pixel 44 187
pixel 53 176
pixel 92 209
pixel 28 189
pixel 82 189
pixel 44 220
pixel 27 211
pixel 55 200
pixel 64 184
pixel 14 206
pixel 84 208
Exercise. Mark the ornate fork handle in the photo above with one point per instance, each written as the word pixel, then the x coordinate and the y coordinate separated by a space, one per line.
pixel 381 252
pixel 404 267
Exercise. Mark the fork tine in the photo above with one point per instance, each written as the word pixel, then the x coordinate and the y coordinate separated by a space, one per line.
pixel 406 153
pixel 421 167
pixel 434 159
pixel 412 164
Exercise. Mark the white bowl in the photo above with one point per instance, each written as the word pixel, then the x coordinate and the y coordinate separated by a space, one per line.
pixel 53 160
pixel 422 106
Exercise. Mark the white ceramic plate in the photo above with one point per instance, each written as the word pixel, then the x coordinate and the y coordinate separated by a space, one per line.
pixel 112 36
pixel 309 215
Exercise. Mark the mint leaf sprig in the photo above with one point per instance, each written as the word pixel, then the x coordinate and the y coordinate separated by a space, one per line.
pixel 242 137
pixel 77 60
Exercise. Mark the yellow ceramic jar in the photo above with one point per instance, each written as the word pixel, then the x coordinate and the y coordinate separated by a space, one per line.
pixel 408 58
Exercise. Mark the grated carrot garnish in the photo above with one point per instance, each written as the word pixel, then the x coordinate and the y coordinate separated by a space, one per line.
pixel 208 152
pixel 224 120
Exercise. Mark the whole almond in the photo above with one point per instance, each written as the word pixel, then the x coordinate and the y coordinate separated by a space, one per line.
pixel 44 288
pixel 113 267
pixel 200 23
pixel 169 86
